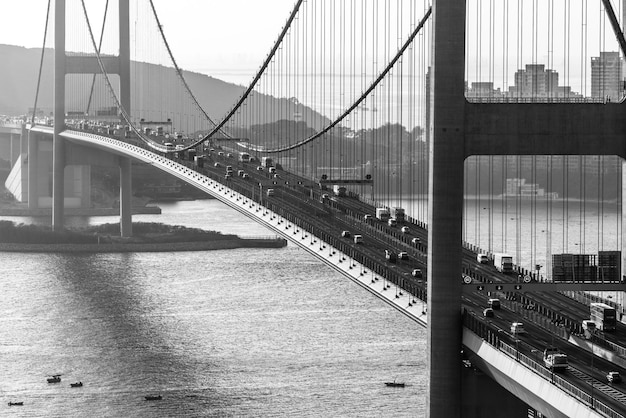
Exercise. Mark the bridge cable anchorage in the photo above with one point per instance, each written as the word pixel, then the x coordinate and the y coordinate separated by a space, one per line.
pixel 358 101
pixel 43 52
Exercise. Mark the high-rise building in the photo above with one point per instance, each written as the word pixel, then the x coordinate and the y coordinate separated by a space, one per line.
pixel 535 81
pixel 606 76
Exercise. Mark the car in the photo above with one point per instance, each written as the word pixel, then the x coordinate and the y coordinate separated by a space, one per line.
pixel 229 168
pixel 229 155
pixel 403 255
pixel 488 313
pixel 345 234
pixel 240 173
pixel 482 258
pixel 246 176
pixel 272 170
pixel 367 218
pixel 392 222
pixel 415 241
pixel 494 303
pixel 221 154
pixel 517 328
pixel 270 192
pixel 405 229
pixel 259 168
pixel 358 239
pixel 417 273
pixel 613 377
pixel 216 165
pixel 227 176
pixel 390 256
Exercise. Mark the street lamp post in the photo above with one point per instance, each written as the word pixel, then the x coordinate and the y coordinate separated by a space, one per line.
pixel 488 209
pixel 592 355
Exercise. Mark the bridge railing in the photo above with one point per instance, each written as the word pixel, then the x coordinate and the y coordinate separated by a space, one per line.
pixel 492 336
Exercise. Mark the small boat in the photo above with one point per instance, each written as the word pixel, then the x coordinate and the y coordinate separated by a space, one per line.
pixel 56 378
pixel 153 397
pixel 16 403
pixel 395 384
pixel 76 385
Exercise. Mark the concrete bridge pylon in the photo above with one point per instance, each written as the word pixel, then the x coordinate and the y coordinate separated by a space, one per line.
pixel 64 65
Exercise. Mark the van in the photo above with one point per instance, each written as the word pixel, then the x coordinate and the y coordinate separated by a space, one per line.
pixel 589 327
pixel 494 303
pixel 358 239
pixel 517 328
pixel 272 170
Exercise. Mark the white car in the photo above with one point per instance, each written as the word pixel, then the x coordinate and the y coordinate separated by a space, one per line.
pixel 482 258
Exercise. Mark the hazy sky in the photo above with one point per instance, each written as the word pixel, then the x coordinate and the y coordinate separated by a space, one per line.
pixel 208 36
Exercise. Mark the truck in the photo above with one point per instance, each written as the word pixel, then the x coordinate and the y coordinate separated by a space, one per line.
pixel 383 214
pixel 267 162
pixel 244 157
pixel 397 213
pixel 339 191
pixel 503 262
pixel 554 360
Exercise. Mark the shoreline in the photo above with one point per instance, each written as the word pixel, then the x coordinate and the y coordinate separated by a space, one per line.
pixel 120 247
pixel 41 212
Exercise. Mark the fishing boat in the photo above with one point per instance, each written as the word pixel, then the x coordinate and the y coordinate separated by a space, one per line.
pixel 55 378
pixel 395 384
pixel 153 397
pixel 16 403
pixel 76 385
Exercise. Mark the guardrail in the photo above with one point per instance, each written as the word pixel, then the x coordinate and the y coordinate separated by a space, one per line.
pixel 491 336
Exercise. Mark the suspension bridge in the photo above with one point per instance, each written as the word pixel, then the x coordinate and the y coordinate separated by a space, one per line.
pixel 435 131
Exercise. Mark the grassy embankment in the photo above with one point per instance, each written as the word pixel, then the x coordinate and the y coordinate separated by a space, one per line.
pixel 106 233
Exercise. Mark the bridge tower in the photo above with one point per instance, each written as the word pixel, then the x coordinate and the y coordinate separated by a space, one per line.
pixel 64 65
pixel 445 212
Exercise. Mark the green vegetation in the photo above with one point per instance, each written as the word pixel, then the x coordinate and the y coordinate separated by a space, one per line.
pixel 143 232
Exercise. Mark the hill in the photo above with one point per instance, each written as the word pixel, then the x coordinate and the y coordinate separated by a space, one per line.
pixel 19 74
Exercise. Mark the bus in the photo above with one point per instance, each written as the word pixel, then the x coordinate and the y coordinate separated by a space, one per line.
pixel 244 157
pixel 603 315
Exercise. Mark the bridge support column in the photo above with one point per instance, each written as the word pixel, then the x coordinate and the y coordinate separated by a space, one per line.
pixel 33 164
pixel 126 196
pixel 58 144
pixel 446 157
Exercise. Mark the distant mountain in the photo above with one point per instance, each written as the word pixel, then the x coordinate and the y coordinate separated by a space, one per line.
pixel 153 86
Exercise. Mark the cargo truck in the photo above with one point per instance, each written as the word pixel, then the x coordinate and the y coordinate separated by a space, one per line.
pixel 382 214
pixel 554 360
pixel 339 191
pixel 397 213
pixel 267 162
pixel 503 262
